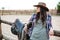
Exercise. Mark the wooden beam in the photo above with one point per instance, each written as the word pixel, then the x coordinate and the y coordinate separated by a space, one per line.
pixel 6 22
pixel 56 33
pixel 0 31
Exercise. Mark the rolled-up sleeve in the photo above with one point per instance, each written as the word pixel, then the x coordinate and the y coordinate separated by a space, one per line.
pixel 49 22
pixel 32 18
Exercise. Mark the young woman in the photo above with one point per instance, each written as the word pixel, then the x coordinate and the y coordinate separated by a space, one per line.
pixel 41 29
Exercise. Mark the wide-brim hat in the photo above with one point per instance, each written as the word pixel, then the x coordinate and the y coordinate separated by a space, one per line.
pixel 42 5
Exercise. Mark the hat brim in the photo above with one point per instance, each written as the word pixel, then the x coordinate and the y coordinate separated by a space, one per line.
pixel 42 7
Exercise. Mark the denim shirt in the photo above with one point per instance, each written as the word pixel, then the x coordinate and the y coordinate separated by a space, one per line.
pixel 48 23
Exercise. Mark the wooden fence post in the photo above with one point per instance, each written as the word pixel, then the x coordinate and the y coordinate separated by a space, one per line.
pixel 1 36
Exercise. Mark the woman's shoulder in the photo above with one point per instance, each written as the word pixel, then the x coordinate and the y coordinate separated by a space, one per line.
pixel 48 14
pixel 33 14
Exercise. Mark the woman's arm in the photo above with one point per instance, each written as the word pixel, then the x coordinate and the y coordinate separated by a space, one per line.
pixel 51 32
pixel 29 25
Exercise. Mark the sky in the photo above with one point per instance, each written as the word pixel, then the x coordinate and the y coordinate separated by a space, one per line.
pixel 25 4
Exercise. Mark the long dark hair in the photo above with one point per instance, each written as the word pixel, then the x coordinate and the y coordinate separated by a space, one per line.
pixel 42 15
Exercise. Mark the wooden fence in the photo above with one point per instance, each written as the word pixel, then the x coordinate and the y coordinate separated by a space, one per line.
pixel 56 33
pixel 6 22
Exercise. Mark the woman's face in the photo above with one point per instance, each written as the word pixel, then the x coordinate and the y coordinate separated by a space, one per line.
pixel 38 9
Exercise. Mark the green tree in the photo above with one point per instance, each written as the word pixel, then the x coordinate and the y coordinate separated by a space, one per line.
pixel 58 7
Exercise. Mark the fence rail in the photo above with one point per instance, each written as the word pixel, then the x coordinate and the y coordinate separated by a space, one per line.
pixel 56 33
pixel 5 22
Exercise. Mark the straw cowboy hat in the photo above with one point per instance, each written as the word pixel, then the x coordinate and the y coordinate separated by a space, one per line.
pixel 43 5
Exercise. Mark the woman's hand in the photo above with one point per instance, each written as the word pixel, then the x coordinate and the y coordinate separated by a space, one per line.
pixel 25 28
pixel 51 32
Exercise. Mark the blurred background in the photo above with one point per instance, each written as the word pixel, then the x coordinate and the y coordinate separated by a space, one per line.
pixel 23 10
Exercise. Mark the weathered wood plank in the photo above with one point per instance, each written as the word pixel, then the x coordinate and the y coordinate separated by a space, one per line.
pixel 6 22
pixel 0 31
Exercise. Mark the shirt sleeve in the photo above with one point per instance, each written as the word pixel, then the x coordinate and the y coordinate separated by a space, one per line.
pixel 32 18
pixel 49 21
